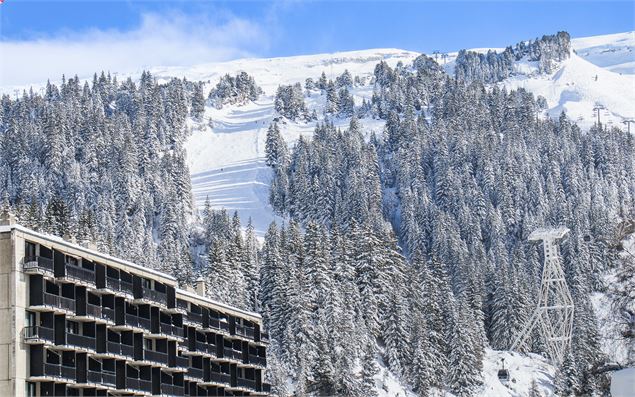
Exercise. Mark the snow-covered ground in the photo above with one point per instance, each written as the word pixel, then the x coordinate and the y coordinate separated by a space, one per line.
pixel 577 86
pixel 226 160
pixel 623 383
pixel 614 52
pixel 523 369
pixel 226 151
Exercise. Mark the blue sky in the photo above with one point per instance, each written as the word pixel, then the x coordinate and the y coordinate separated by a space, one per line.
pixel 132 34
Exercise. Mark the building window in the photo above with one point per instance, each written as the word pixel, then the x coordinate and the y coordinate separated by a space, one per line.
pixel 52 357
pixel 29 319
pixel 147 344
pixel 72 327
pixel 146 283
pixel 72 261
pixel 29 249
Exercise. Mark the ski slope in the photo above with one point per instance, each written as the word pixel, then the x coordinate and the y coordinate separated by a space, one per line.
pixel 226 151
pixel 577 86
pixel 613 52
pixel 226 159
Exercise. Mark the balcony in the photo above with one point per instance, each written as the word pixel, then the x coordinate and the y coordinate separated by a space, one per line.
pixel 171 390
pixel 220 378
pixel 181 305
pixel 81 274
pixel 59 371
pixel 108 378
pixel 81 341
pixel 266 388
pixel 38 264
pixel 154 296
pixel 93 377
pixel 194 318
pixel 232 354
pixel 59 302
pixel 139 384
pixel 116 285
pixel 37 334
pixel 101 378
pixel 196 373
pixel 181 362
pixel 257 360
pixel 264 336
pixel 100 313
pixel 138 322
pixel 218 325
pixel 172 330
pixel 245 332
pixel 206 348
pixel 246 384
pixel 108 314
pixel 120 349
pixel 155 357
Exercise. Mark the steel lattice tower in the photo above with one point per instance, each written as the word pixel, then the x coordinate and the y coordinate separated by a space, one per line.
pixel 554 313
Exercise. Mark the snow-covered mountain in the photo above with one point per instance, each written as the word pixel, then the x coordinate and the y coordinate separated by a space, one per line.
pixel 614 52
pixel 226 159
pixel 226 150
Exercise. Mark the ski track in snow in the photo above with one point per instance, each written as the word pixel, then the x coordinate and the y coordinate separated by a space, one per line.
pixel 225 152
pixel 227 160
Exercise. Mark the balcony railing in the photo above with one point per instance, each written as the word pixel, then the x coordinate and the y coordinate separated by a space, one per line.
pixel 169 329
pixel 246 383
pixel 80 274
pixel 205 347
pixel 38 262
pixel 39 333
pixel 154 356
pixel 215 323
pixel 138 322
pixel 59 302
pixel 181 362
pixel 108 313
pixel 194 317
pixel 93 310
pixel 108 378
pixel 171 390
pixel 86 342
pixel 117 285
pixel 138 384
pixel 101 377
pixel 220 378
pixel 196 373
pixel 59 371
pixel 120 349
pixel 233 354
pixel 257 360
pixel 244 331
pixel 93 377
pixel 154 295
pixel 181 304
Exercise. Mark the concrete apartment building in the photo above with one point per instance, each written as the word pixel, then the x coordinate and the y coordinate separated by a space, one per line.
pixel 75 322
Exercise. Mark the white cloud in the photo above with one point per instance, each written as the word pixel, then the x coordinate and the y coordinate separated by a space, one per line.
pixel 160 40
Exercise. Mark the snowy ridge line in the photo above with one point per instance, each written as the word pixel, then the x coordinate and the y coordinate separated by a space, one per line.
pixel 67 244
